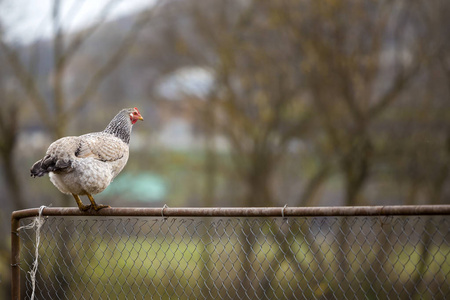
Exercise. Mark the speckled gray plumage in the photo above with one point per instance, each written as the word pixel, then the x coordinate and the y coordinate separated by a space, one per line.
pixel 120 126
pixel 87 164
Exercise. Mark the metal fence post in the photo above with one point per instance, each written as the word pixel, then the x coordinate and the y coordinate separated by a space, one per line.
pixel 15 259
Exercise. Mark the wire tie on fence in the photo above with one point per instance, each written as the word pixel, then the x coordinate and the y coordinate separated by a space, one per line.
pixel 162 211
pixel 37 222
pixel 282 213
pixel 384 219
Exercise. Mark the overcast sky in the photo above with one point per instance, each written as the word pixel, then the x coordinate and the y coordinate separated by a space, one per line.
pixel 26 20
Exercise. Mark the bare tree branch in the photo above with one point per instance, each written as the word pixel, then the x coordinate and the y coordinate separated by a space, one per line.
pixel 113 62
pixel 397 87
pixel 27 82
pixel 83 35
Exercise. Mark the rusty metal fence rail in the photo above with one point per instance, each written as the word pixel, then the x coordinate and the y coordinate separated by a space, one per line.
pixel 392 252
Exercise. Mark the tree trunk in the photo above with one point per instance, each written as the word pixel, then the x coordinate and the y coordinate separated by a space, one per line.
pixel 13 181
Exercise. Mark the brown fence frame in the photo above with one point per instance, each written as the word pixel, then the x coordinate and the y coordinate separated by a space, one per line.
pixel 209 212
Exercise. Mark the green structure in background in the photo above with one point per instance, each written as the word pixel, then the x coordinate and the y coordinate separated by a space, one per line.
pixel 142 187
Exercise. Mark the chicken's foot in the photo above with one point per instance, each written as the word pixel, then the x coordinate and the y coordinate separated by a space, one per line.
pixel 95 205
pixel 81 206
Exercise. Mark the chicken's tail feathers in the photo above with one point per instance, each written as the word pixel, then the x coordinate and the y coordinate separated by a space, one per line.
pixel 36 170
pixel 48 164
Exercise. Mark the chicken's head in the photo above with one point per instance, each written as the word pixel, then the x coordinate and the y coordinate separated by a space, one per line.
pixel 135 115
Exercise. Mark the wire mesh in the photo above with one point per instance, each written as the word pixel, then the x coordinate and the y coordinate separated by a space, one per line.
pixel 401 257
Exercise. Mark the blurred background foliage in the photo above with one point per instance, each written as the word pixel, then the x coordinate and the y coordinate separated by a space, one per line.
pixel 246 103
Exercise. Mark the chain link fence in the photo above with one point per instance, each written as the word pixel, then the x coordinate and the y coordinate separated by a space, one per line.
pixel 230 257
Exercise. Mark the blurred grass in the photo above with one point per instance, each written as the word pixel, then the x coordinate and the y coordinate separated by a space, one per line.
pixel 172 267
pixel 179 258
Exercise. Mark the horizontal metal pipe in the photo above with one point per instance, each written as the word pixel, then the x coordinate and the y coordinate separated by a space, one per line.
pixel 242 211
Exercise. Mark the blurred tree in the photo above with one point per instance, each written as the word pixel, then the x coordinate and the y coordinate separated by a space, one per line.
pixel 419 128
pixel 56 111
pixel 346 47
pixel 254 103
pixel 9 131
pixel 257 105
pixel 352 59
pixel 345 44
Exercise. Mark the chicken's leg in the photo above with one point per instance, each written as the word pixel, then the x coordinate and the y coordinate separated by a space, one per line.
pixel 95 205
pixel 81 206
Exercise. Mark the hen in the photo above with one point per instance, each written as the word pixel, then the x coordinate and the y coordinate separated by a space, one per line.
pixel 87 164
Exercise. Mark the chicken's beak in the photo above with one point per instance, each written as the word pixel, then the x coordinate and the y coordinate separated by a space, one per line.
pixel 136 115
